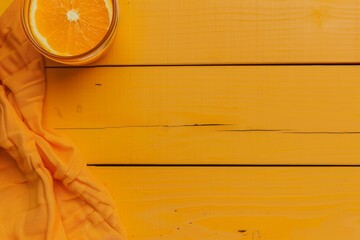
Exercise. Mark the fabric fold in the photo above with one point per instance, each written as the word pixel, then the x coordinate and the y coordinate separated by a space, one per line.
pixel 60 199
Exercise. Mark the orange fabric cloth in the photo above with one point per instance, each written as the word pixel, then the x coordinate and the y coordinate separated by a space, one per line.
pixel 46 191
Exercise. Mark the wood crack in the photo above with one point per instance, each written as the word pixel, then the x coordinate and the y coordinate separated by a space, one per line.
pixel 283 131
pixel 151 126
pixel 253 130
pixel 335 132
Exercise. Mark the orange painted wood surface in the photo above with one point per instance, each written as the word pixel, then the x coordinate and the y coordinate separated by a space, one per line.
pixel 236 203
pixel 203 115
pixel 236 31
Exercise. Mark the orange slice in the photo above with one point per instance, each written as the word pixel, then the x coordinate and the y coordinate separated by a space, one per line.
pixel 70 27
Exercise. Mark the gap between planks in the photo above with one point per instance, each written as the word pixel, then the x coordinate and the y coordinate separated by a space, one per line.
pixel 228 165
pixel 283 131
pixel 208 65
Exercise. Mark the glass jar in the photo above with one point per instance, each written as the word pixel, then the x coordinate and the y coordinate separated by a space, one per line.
pixel 83 58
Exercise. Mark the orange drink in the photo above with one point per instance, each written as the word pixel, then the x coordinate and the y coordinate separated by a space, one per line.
pixel 70 31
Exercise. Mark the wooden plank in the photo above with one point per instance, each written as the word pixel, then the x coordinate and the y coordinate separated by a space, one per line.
pixel 296 98
pixel 236 203
pixel 202 115
pixel 213 145
pixel 231 31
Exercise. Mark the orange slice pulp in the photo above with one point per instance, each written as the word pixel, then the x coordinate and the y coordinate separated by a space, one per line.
pixel 70 27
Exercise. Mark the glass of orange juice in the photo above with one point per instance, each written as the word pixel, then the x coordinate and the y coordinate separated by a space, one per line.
pixel 73 32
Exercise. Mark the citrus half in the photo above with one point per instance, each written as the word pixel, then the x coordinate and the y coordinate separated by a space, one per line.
pixel 70 27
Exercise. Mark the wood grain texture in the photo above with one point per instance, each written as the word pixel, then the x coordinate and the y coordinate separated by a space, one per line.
pixel 212 31
pixel 236 203
pixel 297 98
pixel 213 145
pixel 265 115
